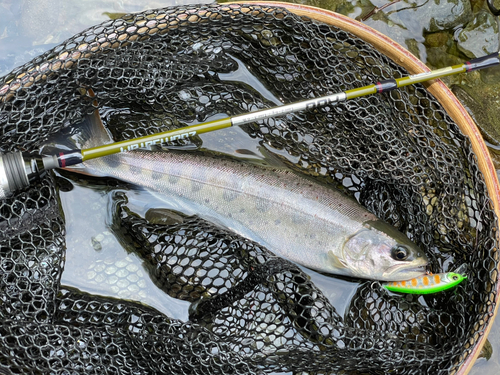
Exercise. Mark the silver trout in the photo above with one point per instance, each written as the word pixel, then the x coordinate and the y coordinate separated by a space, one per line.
pixel 295 218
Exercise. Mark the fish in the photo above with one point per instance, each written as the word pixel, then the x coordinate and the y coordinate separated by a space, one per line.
pixel 296 218
pixel 426 284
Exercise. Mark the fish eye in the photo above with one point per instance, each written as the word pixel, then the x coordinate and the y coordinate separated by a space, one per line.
pixel 400 252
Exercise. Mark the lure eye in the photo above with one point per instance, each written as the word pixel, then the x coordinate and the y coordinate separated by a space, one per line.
pixel 399 252
pixel 455 277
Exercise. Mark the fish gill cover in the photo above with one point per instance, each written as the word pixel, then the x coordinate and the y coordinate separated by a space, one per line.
pixel 400 154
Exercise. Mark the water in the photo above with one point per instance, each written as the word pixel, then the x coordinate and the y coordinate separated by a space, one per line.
pixel 96 262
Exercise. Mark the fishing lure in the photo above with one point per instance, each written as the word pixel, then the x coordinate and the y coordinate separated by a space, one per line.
pixel 426 284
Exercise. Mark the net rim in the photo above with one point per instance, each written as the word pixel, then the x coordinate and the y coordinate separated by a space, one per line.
pixel 438 89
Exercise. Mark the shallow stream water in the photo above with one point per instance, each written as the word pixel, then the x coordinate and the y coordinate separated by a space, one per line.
pixel 96 261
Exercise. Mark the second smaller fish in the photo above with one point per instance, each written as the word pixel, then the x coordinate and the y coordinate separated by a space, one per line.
pixel 426 284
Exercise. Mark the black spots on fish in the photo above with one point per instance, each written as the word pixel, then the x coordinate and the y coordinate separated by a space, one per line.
pixel 111 161
pixel 196 186
pixel 174 174
pixel 232 190
pixel 156 175
pixel 198 179
pixel 230 195
pixel 262 204
pixel 158 171
pixel 135 170
pixel 299 218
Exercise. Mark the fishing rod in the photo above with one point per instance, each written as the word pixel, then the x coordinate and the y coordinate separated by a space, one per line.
pixel 18 170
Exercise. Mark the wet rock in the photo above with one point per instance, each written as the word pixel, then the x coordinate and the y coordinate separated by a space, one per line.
pixel 405 21
pixel 477 5
pixel 345 7
pixel 445 15
pixel 96 244
pixel 438 39
pixel 477 100
pixel 495 5
pixel 439 57
pixel 114 16
pixel 164 216
pixel 480 37
pixel 486 351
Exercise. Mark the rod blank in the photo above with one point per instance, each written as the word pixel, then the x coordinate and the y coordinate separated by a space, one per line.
pixel 18 170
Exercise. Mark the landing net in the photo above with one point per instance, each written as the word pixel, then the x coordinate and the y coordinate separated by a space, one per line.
pixel 399 154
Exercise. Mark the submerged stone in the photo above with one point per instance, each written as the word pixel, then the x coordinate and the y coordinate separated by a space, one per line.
pixel 480 37
pixel 437 39
pixel 476 100
pixel 164 216
pixel 405 22
pixel 445 15
pixel 486 351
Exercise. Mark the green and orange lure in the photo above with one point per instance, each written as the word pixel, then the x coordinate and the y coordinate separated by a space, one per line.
pixel 426 284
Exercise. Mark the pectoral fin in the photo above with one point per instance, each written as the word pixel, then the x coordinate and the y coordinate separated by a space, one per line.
pixel 337 262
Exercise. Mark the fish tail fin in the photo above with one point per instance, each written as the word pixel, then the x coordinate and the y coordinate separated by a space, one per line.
pixel 88 133
pixel 92 132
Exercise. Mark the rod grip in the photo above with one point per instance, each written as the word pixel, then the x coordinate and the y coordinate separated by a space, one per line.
pixel 13 174
pixel 18 170
pixel 482 62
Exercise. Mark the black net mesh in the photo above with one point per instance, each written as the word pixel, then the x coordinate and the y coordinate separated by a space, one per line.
pixel 399 154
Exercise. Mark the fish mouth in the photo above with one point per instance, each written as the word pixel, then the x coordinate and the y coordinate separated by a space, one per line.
pixel 399 272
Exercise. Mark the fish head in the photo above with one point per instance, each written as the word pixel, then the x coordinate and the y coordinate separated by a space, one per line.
pixel 380 252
